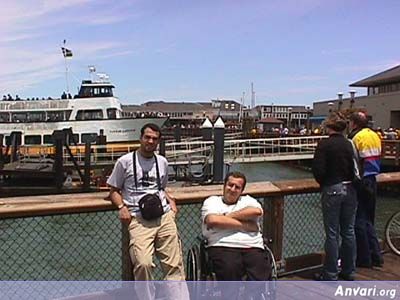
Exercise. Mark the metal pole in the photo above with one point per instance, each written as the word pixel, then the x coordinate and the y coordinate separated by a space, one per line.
pixel 58 163
pixel 218 159
pixel 1 151
pixel 66 74
pixel 86 180
pixel 206 130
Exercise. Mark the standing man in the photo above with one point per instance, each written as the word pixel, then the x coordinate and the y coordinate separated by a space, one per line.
pixel 230 223
pixel 138 184
pixel 333 168
pixel 368 145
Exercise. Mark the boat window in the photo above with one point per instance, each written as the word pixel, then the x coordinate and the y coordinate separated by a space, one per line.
pixel 85 92
pixel 18 140
pixel 106 92
pixel 56 116
pixel 4 117
pixel 33 140
pixel 73 139
pixel 100 91
pixel 94 114
pixel 88 137
pixel 112 113
pixel 18 117
pixel 48 139
pixel 36 117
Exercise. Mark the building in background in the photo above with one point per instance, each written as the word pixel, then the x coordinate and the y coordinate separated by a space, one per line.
pixel 293 117
pixel 382 101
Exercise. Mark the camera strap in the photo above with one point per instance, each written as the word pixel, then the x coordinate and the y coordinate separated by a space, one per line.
pixel 157 170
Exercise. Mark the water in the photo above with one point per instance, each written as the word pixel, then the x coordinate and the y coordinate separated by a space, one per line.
pixel 270 171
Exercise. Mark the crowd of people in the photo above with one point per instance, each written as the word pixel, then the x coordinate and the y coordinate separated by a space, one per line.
pixel 345 168
pixel 9 97
pixel 145 114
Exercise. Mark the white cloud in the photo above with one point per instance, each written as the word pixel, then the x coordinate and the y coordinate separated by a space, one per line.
pixel 28 54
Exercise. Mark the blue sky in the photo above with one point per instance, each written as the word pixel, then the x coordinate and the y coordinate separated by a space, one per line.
pixel 295 51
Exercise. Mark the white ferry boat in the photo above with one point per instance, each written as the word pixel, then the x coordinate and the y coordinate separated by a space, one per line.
pixel 93 111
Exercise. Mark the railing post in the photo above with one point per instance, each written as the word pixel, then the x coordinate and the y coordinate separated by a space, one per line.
pixel 86 180
pixel 127 268
pixel 273 224
pixel 58 164
pixel 1 151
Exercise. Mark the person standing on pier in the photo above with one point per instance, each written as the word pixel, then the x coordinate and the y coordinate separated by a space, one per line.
pixel 138 184
pixel 334 169
pixel 230 223
pixel 369 149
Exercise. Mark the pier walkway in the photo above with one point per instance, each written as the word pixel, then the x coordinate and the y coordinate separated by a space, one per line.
pixel 389 272
pixel 245 150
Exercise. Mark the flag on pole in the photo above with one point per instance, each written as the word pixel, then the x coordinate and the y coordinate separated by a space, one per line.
pixel 66 52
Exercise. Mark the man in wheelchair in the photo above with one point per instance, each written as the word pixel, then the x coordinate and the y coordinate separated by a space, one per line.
pixel 231 225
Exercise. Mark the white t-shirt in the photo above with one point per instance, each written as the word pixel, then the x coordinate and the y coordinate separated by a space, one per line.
pixel 122 177
pixel 230 237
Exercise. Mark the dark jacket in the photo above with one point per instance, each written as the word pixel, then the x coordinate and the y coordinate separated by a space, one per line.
pixel 333 160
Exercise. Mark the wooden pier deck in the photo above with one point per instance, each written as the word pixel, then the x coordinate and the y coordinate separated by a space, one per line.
pixel 389 272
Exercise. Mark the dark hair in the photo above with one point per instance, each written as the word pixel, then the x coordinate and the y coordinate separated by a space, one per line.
pixel 336 121
pixel 359 119
pixel 236 174
pixel 152 126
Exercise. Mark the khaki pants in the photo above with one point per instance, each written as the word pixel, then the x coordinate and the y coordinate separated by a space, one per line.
pixel 159 236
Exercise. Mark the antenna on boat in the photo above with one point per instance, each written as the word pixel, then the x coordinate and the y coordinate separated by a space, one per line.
pixel 92 71
pixel 67 53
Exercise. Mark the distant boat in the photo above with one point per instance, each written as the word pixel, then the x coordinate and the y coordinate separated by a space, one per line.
pixel 93 111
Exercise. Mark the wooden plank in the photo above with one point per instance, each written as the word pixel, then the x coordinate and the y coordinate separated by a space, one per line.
pixel 197 194
pixel 297 186
pixel 273 224
pixel 303 261
pixel 389 272
pixel 53 204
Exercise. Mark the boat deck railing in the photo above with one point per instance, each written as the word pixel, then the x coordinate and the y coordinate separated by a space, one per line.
pixel 197 151
pixel 79 236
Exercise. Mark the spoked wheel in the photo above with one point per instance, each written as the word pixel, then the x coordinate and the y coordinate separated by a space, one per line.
pixel 274 269
pixel 392 233
pixel 193 264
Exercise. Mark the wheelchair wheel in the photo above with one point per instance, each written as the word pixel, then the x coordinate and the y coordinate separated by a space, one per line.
pixel 392 233
pixel 193 264
pixel 274 269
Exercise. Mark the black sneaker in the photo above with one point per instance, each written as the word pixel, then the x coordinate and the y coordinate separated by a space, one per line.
pixel 321 277
pixel 347 277
pixel 378 264
pixel 363 265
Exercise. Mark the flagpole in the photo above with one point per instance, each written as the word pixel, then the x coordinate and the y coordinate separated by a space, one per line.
pixel 66 69
pixel 66 74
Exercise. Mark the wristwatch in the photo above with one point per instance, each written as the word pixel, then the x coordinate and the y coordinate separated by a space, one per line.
pixel 121 205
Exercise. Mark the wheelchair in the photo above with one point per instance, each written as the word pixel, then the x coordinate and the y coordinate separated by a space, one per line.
pixel 199 268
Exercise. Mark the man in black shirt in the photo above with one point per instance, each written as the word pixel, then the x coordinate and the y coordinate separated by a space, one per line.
pixel 334 170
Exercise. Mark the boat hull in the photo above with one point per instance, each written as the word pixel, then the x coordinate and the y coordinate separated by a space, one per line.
pixel 115 130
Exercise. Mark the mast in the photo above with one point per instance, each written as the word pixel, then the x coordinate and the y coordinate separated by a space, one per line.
pixel 67 54
pixel 253 96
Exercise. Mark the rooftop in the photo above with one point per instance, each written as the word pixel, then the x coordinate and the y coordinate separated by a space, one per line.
pixel 388 76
